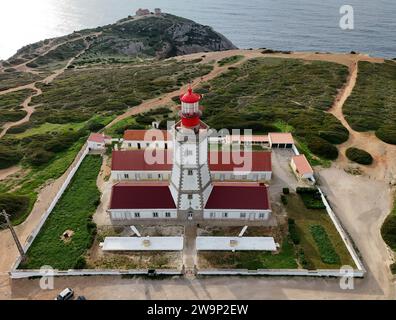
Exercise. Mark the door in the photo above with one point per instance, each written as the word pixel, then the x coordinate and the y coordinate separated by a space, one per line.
pixel 190 215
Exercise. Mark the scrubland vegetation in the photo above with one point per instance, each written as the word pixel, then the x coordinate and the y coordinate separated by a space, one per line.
pixel 261 93
pixel 372 104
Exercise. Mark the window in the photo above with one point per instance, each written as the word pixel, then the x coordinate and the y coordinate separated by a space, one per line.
pixel 212 215
pixel 167 214
pixel 190 172
pixel 126 176
pixel 188 152
pixel 147 145
pixel 155 214
pixel 225 214
pixel 243 215
pixel 129 144
pixel 261 215
pixel 137 214
pixel 149 176
pixel 190 196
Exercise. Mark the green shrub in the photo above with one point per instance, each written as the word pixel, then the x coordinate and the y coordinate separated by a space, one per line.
pixel 388 229
pixel 387 133
pixel 326 249
pixel 311 197
pixel 286 190
pixel 81 263
pixel 322 148
pixel 9 156
pixel 393 268
pixel 305 263
pixel 15 205
pixel 143 119
pixel 39 157
pixel 358 155
pixel 294 235
pixel 284 199
pixel 230 60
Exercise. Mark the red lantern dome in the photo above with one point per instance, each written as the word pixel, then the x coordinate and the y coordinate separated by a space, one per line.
pixel 190 96
pixel 190 112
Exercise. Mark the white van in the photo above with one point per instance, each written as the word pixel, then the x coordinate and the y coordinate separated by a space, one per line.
pixel 66 294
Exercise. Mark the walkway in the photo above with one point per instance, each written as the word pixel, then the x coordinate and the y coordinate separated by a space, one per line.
pixel 189 249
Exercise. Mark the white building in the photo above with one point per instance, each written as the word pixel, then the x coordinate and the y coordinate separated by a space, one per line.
pixel 98 141
pixel 280 140
pixel 301 167
pixel 189 192
pixel 143 139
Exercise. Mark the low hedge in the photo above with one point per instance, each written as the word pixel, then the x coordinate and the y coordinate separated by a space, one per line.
pixel 326 249
pixel 311 197
pixel 359 156
pixel 294 235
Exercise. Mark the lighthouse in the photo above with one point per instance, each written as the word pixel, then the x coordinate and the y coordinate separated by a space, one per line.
pixel 191 182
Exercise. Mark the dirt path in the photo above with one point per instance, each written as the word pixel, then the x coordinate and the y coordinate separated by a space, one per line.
pixel 25 105
pixel 384 166
pixel 4 173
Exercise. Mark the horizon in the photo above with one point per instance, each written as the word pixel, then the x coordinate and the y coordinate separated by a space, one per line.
pixel 283 26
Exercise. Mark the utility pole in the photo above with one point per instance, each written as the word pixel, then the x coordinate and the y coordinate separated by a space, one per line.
pixel 14 235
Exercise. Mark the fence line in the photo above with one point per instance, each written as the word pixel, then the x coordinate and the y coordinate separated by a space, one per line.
pixel 20 274
pixel 74 167
pixel 283 272
pixel 345 237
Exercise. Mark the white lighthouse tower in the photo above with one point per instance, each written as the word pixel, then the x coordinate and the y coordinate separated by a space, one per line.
pixel 190 180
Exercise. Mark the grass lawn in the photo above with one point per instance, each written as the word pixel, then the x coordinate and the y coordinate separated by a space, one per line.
pixel 251 260
pixel 73 212
pixel 304 220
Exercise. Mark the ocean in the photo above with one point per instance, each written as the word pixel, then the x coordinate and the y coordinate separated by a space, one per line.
pixel 302 25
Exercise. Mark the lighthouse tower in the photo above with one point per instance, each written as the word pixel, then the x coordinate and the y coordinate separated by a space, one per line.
pixel 190 180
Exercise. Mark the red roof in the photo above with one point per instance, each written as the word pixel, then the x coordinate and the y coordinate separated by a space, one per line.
pixel 244 196
pixel 98 137
pixel 147 135
pixel 281 137
pixel 134 160
pixel 190 97
pixel 141 196
pixel 240 161
pixel 302 164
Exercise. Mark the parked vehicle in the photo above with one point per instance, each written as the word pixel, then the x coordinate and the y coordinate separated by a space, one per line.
pixel 66 294
pixel 81 298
